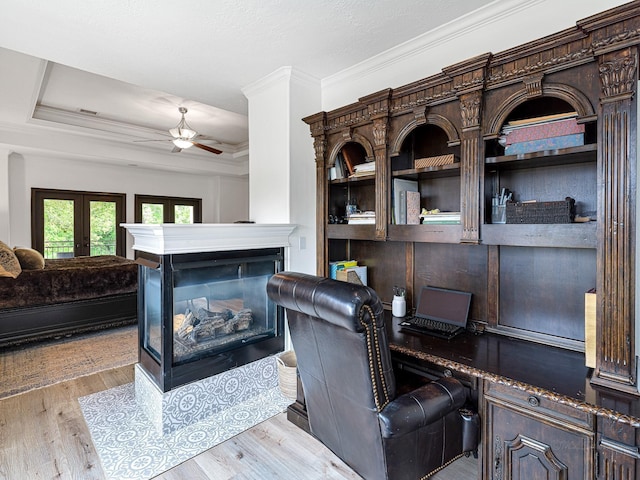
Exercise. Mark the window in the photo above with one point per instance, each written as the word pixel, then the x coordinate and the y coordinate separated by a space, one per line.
pixel 68 223
pixel 154 209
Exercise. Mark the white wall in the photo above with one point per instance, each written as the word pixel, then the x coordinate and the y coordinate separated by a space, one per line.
pixel 282 167
pixel 224 199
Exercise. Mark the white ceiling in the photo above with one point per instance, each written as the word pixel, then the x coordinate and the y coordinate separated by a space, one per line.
pixel 134 62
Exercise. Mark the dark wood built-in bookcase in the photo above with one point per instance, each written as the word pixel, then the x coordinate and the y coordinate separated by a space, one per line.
pixel 528 265
pixel 528 280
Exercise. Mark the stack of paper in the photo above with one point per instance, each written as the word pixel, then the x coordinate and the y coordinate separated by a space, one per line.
pixel 362 218
pixel 364 169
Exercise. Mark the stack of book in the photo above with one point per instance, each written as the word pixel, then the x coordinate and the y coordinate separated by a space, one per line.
pixel 401 187
pixel 362 218
pixel 550 132
pixel 363 169
pixel 441 218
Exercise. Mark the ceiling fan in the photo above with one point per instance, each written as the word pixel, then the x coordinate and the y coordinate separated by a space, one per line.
pixel 183 136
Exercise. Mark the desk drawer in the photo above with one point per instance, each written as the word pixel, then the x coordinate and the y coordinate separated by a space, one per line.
pixel 433 371
pixel 537 403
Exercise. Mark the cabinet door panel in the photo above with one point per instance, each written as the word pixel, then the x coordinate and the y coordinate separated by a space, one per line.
pixel 525 447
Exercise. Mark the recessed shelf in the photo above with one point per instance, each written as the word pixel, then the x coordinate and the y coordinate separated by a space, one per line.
pixel 363 180
pixel 561 156
pixel 350 232
pixel 564 235
pixel 450 170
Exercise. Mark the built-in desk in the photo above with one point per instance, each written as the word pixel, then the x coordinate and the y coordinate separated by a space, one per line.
pixel 540 414
pixel 541 417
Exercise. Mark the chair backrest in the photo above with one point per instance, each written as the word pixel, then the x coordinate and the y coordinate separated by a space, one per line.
pixel 338 333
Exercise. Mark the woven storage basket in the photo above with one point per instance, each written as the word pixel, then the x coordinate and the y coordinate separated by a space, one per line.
pixel 287 374
pixel 434 161
pixel 541 212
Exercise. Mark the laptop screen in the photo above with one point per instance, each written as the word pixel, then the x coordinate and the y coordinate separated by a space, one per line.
pixel 449 306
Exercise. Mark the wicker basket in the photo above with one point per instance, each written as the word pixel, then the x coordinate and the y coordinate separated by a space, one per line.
pixel 541 212
pixel 287 374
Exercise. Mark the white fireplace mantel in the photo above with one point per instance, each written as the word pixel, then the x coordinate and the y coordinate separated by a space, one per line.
pixel 170 238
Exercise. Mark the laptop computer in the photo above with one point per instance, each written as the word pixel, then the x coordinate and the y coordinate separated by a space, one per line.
pixel 440 312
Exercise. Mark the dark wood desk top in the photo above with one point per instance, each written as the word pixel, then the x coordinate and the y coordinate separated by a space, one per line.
pixel 541 370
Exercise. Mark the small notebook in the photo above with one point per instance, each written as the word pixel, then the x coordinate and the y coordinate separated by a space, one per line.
pixel 440 312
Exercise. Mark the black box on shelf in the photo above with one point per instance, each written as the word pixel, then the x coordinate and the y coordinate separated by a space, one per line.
pixel 562 211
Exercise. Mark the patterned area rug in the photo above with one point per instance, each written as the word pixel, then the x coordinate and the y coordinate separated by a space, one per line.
pixel 42 364
pixel 131 448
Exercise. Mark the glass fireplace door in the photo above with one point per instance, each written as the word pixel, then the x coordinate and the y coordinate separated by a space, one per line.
pixel 203 313
pixel 221 306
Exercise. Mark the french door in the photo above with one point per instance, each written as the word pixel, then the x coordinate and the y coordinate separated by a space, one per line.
pixel 67 223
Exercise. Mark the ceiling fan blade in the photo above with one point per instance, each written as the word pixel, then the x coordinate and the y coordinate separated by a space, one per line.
pixel 207 148
pixel 158 140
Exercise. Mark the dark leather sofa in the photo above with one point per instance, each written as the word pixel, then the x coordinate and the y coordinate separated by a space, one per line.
pixel 353 405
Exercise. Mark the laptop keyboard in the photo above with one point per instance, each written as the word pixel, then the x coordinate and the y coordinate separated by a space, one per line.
pixel 429 324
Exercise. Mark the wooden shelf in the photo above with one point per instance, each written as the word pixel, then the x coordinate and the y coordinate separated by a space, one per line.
pixel 450 170
pixel 350 232
pixel 363 180
pixel 562 156
pixel 567 235
pixel 441 233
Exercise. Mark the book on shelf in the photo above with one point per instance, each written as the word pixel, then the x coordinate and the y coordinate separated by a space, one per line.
pixel 440 218
pixel 413 208
pixel 351 158
pixel 542 119
pixel 552 143
pixel 339 168
pixel 539 131
pixel 365 167
pixel 400 188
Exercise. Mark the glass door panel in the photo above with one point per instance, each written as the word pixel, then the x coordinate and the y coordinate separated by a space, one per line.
pixel 183 213
pixel 102 228
pixel 152 213
pixel 58 228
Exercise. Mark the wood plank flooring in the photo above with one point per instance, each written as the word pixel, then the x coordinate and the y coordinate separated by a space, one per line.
pixel 43 436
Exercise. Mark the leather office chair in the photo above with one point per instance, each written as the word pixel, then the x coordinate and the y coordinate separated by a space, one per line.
pixel 344 362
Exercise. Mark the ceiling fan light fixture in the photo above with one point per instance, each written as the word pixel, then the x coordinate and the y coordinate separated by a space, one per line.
pixel 182 142
pixel 182 131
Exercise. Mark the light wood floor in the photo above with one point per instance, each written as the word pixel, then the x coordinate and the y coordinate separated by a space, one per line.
pixel 43 436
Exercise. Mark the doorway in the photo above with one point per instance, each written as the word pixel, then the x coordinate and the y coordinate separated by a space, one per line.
pixel 67 223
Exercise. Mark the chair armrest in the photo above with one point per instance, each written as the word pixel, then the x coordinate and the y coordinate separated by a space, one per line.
pixel 421 407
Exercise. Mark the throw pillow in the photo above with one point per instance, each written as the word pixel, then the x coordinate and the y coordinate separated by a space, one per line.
pixel 9 264
pixel 29 258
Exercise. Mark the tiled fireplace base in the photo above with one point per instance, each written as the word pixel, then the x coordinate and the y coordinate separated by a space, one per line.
pixel 196 401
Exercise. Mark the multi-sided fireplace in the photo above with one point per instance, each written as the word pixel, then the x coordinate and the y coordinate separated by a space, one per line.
pixel 202 302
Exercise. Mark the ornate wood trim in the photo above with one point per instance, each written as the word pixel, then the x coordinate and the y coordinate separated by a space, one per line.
pixel 431 119
pixel 615 306
pixel 351 137
pixel 569 94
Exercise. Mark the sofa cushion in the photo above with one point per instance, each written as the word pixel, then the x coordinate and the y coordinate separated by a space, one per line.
pixel 9 264
pixel 29 258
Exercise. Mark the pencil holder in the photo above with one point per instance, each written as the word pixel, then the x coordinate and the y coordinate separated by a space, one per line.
pixel 499 214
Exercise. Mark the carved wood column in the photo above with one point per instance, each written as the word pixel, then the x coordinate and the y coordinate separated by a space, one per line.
pixel 472 166
pixel 378 105
pixel 468 81
pixel 317 124
pixel 616 284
